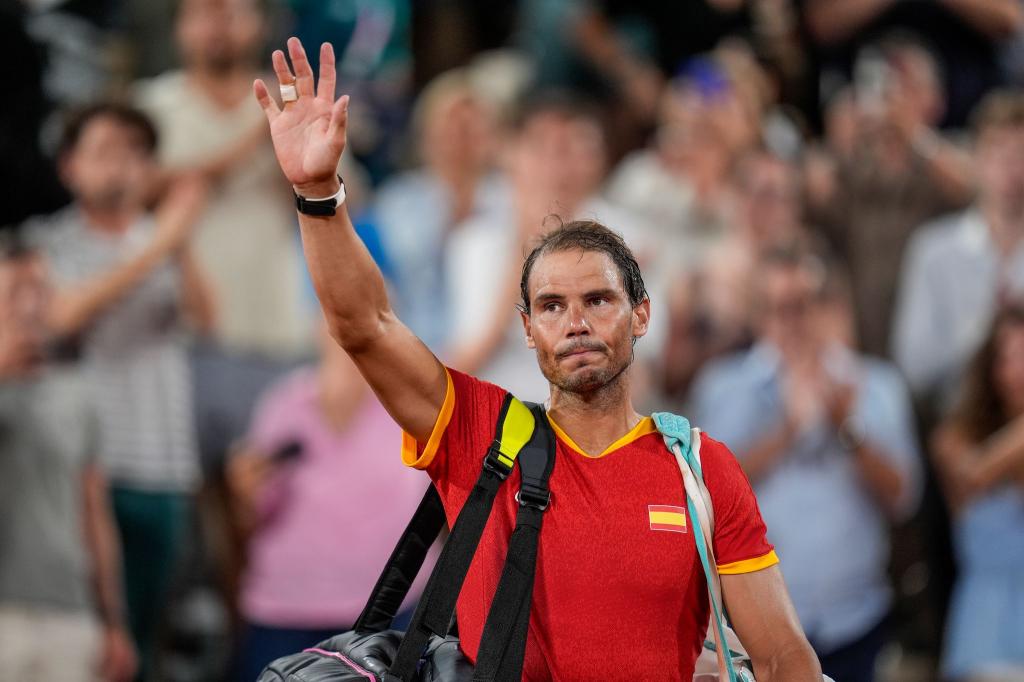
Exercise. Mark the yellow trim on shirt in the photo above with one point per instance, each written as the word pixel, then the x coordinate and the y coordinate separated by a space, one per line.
pixel 749 565
pixel 410 448
pixel 644 427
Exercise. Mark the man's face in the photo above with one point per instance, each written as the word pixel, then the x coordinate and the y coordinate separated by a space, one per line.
pixel 562 157
pixel 1000 165
pixel 790 312
pixel 770 199
pixel 218 35
pixel 581 322
pixel 110 167
pixel 458 137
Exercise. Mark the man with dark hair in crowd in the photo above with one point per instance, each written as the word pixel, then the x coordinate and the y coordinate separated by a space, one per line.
pixel 606 572
pixel 60 578
pixel 125 285
pixel 820 430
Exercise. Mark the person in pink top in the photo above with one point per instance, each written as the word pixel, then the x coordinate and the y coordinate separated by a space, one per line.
pixel 323 503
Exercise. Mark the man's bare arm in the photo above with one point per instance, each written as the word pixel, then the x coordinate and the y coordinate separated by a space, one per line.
pixel 767 625
pixel 75 307
pixel 309 138
pixel 118 658
pixel 197 297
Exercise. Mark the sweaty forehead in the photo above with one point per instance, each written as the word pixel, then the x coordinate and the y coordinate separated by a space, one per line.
pixel 573 272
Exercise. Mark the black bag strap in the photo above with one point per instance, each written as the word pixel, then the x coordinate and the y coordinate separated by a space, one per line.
pixel 433 615
pixel 503 643
pixel 404 564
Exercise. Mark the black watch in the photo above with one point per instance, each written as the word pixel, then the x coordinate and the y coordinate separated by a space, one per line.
pixel 324 207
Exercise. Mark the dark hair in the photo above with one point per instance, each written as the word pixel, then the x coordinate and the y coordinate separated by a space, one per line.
pixel 980 411
pixel 126 115
pixel 587 235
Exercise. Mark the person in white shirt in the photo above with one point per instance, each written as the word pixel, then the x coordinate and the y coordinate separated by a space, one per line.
pixel 959 268
pixel 246 238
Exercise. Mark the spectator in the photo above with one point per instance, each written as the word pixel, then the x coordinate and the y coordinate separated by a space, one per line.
pixel 966 36
pixel 821 431
pixel 58 545
pixel 621 53
pixel 900 173
pixel 420 210
pixel 979 452
pixel 960 267
pixel 316 458
pixel 246 238
pixel 557 160
pixel 679 185
pixel 125 284
pixel 710 308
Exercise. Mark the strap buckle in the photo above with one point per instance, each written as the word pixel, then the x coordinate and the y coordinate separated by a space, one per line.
pixel 537 498
pixel 493 461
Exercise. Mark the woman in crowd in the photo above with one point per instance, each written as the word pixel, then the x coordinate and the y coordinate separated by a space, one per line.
pixel 979 453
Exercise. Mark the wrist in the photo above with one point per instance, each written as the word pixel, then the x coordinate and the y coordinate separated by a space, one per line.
pixel 318 188
pixel 113 620
pixel 851 434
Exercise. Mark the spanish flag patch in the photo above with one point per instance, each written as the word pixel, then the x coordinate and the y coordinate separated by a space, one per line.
pixel 667 517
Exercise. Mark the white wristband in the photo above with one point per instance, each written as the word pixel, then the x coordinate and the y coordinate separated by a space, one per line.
pixel 339 196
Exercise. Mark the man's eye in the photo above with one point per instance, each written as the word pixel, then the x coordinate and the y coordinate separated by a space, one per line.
pixel 598 300
pixel 552 307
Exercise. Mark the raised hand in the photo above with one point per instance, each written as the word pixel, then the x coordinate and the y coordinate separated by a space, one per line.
pixel 309 133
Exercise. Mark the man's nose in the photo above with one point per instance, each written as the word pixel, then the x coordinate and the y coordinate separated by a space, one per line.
pixel 578 324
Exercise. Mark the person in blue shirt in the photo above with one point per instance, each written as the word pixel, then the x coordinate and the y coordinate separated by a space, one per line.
pixel 979 453
pixel 826 437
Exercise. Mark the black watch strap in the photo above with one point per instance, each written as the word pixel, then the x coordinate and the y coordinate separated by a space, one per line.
pixel 319 207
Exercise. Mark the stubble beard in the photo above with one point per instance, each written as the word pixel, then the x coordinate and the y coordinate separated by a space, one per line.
pixel 590 383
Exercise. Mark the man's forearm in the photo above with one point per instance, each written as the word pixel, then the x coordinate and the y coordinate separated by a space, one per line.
pixel 101 539
pixel 884 479
pixel 798 664
pixel 197 296
pixel 347 280
pixel 75 307
pixel 997 19
pixel 833 21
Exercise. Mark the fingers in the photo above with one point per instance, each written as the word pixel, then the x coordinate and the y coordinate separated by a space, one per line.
pixel 325 89
pixel 303 72
pixel 339 120
pixel 284 74
pixel 259 88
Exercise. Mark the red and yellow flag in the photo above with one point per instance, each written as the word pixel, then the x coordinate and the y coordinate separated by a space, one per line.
pixel 667 517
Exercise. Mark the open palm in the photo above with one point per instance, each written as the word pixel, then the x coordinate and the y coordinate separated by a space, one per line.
pixel 309 133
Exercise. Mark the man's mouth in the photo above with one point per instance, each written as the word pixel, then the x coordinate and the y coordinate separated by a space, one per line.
pixel 575 352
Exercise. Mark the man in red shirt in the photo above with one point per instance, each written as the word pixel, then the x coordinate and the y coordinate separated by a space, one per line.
pixel 619 591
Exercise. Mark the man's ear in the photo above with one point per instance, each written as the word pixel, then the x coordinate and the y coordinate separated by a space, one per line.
pixel 641 318
pixel 527 328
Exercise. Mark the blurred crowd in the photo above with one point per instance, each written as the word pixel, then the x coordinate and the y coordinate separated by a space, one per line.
pixel 826 198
